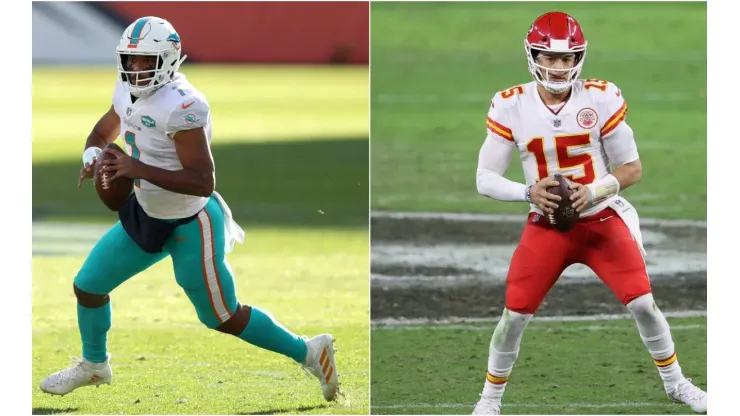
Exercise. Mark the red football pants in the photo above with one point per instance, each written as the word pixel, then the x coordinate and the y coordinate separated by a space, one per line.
pixel 602 242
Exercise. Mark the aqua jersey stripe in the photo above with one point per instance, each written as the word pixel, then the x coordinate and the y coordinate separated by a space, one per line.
pixel 137 30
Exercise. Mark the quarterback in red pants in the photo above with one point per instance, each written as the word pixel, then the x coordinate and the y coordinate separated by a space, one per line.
pixel 560 124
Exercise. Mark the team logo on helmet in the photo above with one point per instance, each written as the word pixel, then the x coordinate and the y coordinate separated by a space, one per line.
pixel 587 118
pixel 175 39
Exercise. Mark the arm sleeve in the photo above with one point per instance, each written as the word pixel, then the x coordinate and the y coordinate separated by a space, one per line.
pixel 190 113
pixel 494 158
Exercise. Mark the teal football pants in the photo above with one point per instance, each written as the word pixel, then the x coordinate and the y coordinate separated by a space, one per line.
pixel 198 258
pixel 198 251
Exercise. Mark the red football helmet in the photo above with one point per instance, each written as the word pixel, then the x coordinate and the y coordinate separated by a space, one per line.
pixel 555 32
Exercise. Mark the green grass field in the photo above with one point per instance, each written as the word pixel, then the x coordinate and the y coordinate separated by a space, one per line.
pixel 435 68
pixel 291 151
pixel 563 368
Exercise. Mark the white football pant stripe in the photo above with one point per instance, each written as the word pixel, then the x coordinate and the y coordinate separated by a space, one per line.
pixel 209 266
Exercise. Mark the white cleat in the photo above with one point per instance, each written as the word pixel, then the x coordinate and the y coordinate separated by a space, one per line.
pixel 687 393
pixel 82 373
pixel 486 406
pixel 320 362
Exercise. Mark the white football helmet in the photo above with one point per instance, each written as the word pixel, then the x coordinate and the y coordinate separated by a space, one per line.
pixel 149 36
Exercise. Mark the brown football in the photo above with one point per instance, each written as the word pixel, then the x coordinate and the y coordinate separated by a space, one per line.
pixel 113 194
pixel 565 217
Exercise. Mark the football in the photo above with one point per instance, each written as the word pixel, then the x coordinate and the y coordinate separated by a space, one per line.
pixel 565 216
pixel 113 194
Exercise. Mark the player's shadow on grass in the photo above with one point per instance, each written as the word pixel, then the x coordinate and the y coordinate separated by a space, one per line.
pixel 289 411
pixel 51 411
pixel 312 183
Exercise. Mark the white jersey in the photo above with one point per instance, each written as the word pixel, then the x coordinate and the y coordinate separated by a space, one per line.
pixel 566 140
pixel 147 127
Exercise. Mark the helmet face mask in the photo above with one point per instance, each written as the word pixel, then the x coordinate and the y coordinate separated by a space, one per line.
pixel 556 37
pixel 153 38
pixel 139 70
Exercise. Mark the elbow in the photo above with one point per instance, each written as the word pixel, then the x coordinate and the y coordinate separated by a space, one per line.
pixel 480 182
pixel 207 186
pixel 482 190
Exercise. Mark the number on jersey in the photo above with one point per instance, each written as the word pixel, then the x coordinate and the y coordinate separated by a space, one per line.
pixel 518 90
pixel 595 83
pixel 565 160
pixel 130 138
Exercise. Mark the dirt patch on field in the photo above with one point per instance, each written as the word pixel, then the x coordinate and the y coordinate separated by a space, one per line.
pixel 436 268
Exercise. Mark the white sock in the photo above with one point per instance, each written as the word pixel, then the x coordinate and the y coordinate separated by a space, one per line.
pixel 503 352
pixel 656 335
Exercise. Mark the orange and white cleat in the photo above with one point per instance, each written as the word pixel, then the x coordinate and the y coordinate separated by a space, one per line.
pixel 83 373
pixel 320 362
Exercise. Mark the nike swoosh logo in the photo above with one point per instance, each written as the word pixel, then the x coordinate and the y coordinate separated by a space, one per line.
pixel 185 106
pixel 604 219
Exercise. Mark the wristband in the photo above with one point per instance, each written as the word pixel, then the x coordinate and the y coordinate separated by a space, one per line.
pixel 528 194
pixel 89 154
pixel 604 188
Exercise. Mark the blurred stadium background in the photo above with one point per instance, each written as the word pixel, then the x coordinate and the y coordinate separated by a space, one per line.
pixel 440 252
pixel 288 88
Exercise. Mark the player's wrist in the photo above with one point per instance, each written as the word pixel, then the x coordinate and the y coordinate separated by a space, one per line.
pixel 91 153
pixel 139 170
pixel 603 188
pixel 528 194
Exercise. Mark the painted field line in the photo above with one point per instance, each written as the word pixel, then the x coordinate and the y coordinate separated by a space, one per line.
pixel 546 405
pixel 465 217
pixel 488 328
pixel 396 322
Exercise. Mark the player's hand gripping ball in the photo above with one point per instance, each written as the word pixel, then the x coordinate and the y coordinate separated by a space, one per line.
pixel 565 216
pixel 113 193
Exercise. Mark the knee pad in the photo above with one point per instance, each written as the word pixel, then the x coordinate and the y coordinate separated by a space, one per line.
pixel 508 333
pixel 89 300
pixel 643 306
pixel 236 324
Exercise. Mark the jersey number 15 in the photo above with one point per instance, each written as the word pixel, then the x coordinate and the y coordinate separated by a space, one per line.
pixel 565 160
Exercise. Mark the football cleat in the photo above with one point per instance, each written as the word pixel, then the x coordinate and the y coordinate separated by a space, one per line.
pixel 82 373
pixel 687 393
pixel 486 406
pixel 320 362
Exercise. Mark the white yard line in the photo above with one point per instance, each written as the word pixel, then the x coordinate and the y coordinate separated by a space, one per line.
pixel 489 328
pixel 507 405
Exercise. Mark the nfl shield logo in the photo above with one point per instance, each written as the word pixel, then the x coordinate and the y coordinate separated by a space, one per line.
pixel 556 122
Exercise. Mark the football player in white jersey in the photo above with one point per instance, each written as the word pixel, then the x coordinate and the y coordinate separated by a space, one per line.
pixel 173 211
pixel 559 123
